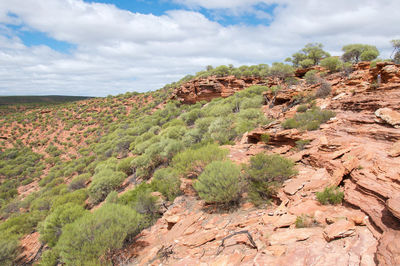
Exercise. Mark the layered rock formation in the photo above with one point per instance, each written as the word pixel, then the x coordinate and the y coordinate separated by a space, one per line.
pixel 212 87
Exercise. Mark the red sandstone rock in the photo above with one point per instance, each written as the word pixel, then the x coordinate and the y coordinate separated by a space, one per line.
pixel 389 116
pixel 393 204
pixel 388 249
pixel 339 229
pixel 395 150
pixel 30 246
pixel 212 87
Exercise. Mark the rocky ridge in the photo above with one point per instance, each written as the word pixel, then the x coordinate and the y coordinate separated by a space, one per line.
pixel 357 150
pixel 211 87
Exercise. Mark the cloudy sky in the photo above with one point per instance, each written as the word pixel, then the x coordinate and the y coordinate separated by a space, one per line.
pixel 97 48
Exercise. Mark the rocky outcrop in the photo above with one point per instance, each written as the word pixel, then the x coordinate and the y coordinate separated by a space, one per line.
pixel 190 233
pixel 31 247
pixel 206 89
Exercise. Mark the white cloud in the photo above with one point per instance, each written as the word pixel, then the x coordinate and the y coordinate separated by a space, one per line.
pixel 118 51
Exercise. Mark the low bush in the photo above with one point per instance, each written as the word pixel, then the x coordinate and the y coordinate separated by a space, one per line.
pixel 49 257
pixel 330 195
pixel 221 130
pixel 309 120
pixel 219 183
pixel 302 108
pixel 311 77
pixel 265 138
pixel 300 144
pixel 193 161
pixel 103 183
pixel 8 249
pixel 51 228
pixel 166 181
pixel 265 173
pixel 21 224
pixel 125 165
pixel 107 228
pixel 324 90
pixel 79 182
pixel 78 197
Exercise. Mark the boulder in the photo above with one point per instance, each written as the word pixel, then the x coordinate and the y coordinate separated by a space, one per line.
pixel 389 116
pixel 395 150
pixel 285 220
pixel 339 229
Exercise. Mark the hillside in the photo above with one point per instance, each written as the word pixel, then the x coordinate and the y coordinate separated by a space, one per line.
pixel 234 166
pixel 49 99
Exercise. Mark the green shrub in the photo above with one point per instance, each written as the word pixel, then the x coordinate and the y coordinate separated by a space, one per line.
pixel 107 228
pixel 8 249
pixel 174 132
pixel 194 160
pixel 51 229
pixel 330 195
pixel 166 181
pixel 311 77
pixel 310 120
pixel 302 108
pixel 265 138
pixel 103 183
pixel 79 182
pixel 219 183
pixel 254 102
pixel 125 165
pixel 191 116
pixel 203 123
pixel 112 197
pixel 49 257
pixel 333 63
pixel 131 196
pixel 300 144
pixel 221 130
pixel 265 173
pixel 21 224
pixel 146 204
pixel 78 197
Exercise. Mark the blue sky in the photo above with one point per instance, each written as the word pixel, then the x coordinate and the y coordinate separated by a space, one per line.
pixel 97 48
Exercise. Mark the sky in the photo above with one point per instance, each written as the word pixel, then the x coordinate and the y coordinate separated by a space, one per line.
pixel 108 47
